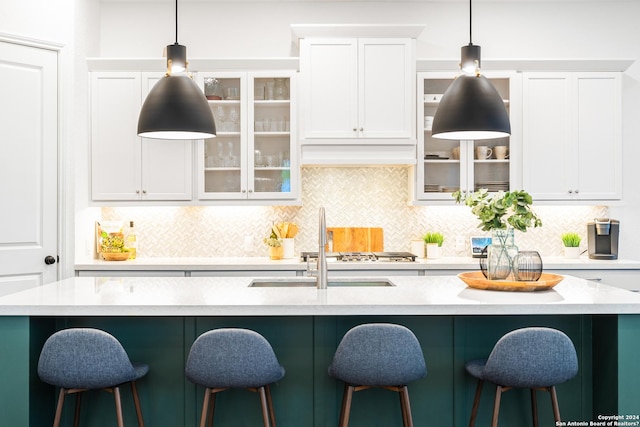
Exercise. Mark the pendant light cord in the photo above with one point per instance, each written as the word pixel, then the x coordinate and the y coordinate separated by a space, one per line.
pixel 176 21
pixel 470 18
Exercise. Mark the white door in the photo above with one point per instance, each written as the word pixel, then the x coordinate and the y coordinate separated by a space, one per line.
pixel 28 167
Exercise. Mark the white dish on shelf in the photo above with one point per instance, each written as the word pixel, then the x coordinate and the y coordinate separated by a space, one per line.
pixel 433 97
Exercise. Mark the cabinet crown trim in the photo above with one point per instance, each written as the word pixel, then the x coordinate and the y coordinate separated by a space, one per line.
pixel 302 31
pixel 425 64
pixel 195 64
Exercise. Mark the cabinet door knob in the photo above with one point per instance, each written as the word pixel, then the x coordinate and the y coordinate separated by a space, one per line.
pixel 355 129
pixel 570 191
pixel 137 191
pixel 577 191
pixel 49 260
pixel 144 191
pixel 361 129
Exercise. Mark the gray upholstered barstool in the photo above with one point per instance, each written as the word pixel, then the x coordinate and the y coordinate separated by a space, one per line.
pixel 535 358
pixel 81 359
pixel 378 355
pixel 233 358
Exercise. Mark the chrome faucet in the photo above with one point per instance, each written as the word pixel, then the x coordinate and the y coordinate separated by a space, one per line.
pixel 321 281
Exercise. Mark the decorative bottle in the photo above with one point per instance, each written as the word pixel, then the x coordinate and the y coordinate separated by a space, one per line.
pixel 131 241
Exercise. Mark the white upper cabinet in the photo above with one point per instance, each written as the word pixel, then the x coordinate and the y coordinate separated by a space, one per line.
pixel 359 90
pixel 253 158
pixel 125 167
pixel 572 136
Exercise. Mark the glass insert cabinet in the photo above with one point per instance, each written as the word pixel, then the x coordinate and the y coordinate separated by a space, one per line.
pixel 444 166
pixel 253 155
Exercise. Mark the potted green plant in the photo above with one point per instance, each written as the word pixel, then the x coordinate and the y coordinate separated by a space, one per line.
pixel 571 242
pixel 501 213
pixel 433 241
pixel 276 251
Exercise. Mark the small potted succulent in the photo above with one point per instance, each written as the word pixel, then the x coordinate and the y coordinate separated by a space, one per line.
pixel 571 242
pixel 434 243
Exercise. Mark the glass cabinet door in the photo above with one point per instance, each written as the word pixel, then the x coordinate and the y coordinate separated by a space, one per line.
pixel 270 135
pixel 225 155
pixel 253 155
pixel 492 166
pixel 440 160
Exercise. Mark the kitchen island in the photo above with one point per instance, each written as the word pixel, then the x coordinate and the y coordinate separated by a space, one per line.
pixel 158 318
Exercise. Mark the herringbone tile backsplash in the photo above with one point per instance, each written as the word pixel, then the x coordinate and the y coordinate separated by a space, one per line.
pixel 352 197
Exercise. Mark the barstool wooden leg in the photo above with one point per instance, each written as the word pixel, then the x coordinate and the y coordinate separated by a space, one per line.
pixel 205 407
pixel 212 407
pixel 76 416
pixel 496 406
pixel 407 419
pixel 346 405
pixel 263 404
pixel 534 407
pixel 136 401
pixel 554 403
pixel 270 405
pixel 116 393
pixel 476 403
pixel 403 409
pixel 56 421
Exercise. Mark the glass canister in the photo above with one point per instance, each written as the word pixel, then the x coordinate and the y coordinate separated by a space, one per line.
pixel 212 89
pixel 527 266
pixel 280 89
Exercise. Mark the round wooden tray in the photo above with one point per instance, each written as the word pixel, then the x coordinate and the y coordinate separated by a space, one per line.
pixel 475 279
pixel 116 256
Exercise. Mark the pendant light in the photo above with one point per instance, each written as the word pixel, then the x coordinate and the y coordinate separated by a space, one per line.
pixel 471 108
pixel 175 107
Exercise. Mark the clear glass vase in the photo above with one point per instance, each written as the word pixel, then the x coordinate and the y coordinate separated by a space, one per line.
pixel 501 254
pixel 280 89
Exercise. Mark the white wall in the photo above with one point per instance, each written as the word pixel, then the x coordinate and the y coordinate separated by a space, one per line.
pixel 504 29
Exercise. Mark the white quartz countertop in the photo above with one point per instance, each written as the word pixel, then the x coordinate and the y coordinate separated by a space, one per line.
pixel 264 263
pixel 232 296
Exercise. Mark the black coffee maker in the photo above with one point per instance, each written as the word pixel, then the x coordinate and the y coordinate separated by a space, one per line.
pixel 602 236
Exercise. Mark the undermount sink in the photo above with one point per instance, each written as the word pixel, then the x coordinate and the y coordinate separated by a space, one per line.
pixel 311 282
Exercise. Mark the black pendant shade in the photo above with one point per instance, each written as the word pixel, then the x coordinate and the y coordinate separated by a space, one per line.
pixel 471 109
pixel 176 109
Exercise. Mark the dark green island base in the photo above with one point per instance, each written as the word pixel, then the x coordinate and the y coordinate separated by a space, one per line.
pixel 608 347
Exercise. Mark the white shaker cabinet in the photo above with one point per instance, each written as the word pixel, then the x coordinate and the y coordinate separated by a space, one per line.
pixel 125 167
pixel 444 166
pixel 358 89
pixel 572 136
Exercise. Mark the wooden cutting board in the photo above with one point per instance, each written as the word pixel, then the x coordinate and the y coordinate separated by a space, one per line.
pixel 357 239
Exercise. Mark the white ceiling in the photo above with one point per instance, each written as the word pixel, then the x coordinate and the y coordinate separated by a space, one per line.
pixel 350 1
